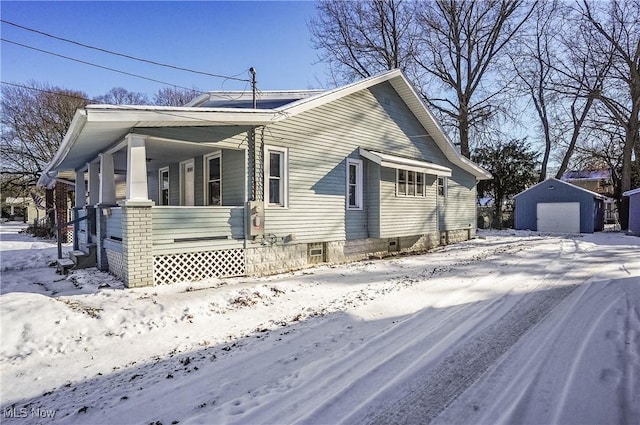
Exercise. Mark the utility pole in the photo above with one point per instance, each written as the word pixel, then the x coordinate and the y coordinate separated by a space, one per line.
pixel 254 86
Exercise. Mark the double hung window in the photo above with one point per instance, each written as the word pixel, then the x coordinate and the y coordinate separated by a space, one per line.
pixel 442 186
pixel 354 184
pixel 163 180
pixel 275 173
pixel 213 176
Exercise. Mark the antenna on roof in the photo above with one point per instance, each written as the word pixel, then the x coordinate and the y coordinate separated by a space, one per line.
pixel 254 87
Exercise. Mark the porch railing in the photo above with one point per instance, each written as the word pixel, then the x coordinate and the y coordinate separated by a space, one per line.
pixel 114 224
pixel 194 229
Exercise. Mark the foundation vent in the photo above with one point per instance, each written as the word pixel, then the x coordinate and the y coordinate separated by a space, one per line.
pixel 394 245
pixel 316 252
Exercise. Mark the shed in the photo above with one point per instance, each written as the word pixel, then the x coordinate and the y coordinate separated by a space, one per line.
pixel 559 207
pixel 634 211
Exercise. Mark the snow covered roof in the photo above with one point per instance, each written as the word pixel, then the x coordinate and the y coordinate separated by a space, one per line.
pixel 586 175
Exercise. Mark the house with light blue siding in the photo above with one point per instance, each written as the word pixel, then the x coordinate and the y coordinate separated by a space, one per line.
pixel 222 188
pixel 634 211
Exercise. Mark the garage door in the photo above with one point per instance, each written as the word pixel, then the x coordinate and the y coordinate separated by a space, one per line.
pixel 559 217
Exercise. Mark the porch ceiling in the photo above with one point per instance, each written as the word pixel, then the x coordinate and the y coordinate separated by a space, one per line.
pixel 97 137
pixel 162 152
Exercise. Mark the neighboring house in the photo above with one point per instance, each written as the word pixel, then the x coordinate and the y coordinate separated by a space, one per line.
pixel 634 211
pixel 21 207
pixel 600 182
pixel 559 207
pixel 211 189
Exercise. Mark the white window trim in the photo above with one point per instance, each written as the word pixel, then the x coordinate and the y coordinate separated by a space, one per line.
pixel 205 176
pixel 160 172
pixel 445 186
pixel 359 184
pixel 415 184
pixel 284 177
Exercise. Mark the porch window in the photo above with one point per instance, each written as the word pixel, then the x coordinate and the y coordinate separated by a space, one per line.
pixel 442 186
pixel 354 184
pixel 275 161
pixel 163 178
pixel 213 175
pixel 409 183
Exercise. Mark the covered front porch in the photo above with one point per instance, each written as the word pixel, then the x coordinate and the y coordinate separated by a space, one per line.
pixel 164 194
pixel 166 210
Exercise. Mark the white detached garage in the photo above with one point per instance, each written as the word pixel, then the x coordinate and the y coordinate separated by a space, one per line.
pixel 555 206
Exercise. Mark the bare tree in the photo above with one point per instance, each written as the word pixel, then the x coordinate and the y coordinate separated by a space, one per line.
pixel 531 58
pixel 173 96
pixel 34 121
pixel 461 44
pixel 122 96
pixel 615 26
pixel 361 38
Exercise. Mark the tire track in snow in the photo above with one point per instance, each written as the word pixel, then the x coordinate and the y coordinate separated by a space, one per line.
pixel 430 391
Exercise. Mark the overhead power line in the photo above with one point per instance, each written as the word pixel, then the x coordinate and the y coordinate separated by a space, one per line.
pixel 124 55
pixel 93 64
pixel 46 91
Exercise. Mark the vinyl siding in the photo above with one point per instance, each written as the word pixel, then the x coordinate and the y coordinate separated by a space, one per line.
pixel 152 185
pixel 458 209
pixel 319 140
pixel 356 220
pixel 406 215
pixel 233 177
pixel 372 183
pixel 174 184
pixel 193 229
pixel 634 214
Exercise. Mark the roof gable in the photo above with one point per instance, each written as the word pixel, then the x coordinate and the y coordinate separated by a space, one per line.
pixel 560 182
pixel 97 127
pixel 411 99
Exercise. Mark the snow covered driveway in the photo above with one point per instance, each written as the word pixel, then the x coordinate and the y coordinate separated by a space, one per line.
pixel 514 327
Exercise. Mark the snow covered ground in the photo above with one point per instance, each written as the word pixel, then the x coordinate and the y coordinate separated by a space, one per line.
pixel 512 327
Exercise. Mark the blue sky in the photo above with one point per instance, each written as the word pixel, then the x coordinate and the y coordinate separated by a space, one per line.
pixel 225 38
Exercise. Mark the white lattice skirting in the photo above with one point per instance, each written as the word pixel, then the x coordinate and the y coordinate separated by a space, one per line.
pixel 194 266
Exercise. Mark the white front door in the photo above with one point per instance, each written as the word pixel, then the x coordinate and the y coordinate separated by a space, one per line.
pixel 188 186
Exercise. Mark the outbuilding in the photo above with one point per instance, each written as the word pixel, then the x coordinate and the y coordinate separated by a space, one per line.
pixel 559 207
pixel 634 211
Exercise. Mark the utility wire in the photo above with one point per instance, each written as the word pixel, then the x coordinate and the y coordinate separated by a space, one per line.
pixel 122 107
pixel 93 64
pixel 123 55
pixel 47 91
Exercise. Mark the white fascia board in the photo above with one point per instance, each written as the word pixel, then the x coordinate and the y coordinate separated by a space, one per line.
pixel 204 116
pixel 432 125
pixel 392 161
pixel 77 124
pixel 303 105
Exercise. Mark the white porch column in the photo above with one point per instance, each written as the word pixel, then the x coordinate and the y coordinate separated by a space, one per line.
pixel 81 190
pixel 94 183
pixel 136 168
pixel 107 180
